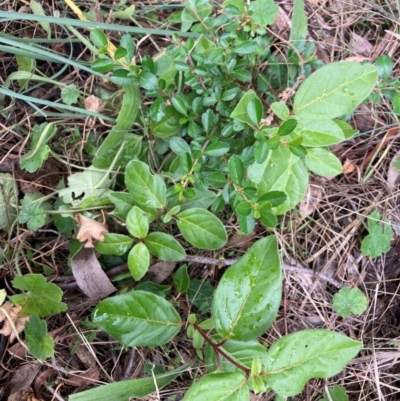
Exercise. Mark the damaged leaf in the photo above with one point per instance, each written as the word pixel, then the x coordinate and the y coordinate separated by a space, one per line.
pixel 90 231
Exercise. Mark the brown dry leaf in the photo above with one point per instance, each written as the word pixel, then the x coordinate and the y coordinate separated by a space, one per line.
pixel 19 322
pixel 393 172
pixel 311 200
pixel 93 103
pixel 348 167
pixel 160 271
pixel 90 377
pixel 23 377
pixel 240 241
pixel 85 356
pixel 25 395
pixel 90 230
pixel 361 46
pixel 89 275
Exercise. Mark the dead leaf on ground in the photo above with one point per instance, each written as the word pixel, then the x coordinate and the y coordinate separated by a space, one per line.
pixel 160 271
pixel 89 275
pixel 90 377
pixel 19 322
pixel 393 172
pixel 25 395
pixel 90 230
pixel 241 241
pixel 364 119
pixel 361 46
pixel 311 200
pixel 348 167
pixel 388 45
pixel 23 377
pixel 93 103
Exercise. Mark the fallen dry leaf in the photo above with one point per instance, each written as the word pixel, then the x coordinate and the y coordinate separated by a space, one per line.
pixel 311 200
pixel 93 103
pixel 160 271
pixel 361 46
pixel 90 230
pixel 90 377
pixel 393 172
pixel 19 322
pixel 89 275
pixel 348 167
pixel 23 377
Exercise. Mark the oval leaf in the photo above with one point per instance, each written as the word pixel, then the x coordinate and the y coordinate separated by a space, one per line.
pixel 139 261
pixel 323 162
pixel 202 229
pixel 164 246
pixel 137 222
pixel 148 190
pixel 138 319
pixel 334 90
pixel 218 387
pixel 168 125
pixel 307 354
pixel 249 294
pixel 114 244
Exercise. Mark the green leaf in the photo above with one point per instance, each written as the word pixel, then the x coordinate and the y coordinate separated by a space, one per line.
pixel 168 125
pixel 125 14
pixel 33 215
pixel 281 171
pixel 242 352
pixel 349 301
pixel 123 202
pixel 307 354
pixel 248 47
pixel 148 190
pixel 182 279
pixel 196 10
pixel 37 9
pixel 137 222
pixel 263 12
pixel 319 133
pixel 138 261
pixel 138 319
pixel 378 240
pixel 202 229
pixel 384 64
pixel 241 112
pixel 203 200
pixel 396 103
pixel 323 162
pixel 39 152
pixel 26 64
pixel 164 246
pixel 179 146
pixel 89 185
pixel 148 81
pixel 180 103
pixel 70 94
pixel 127 389
pixel 103 65
pixel 8 213
pixel 248 296
pixel 114 244
pixel 255 110
pixel 287 127
pixel 334 90
pixel 40 297
pixel 217 149
pixel 218 387
pixel 99 38
pixel 236 169
pixel 281 110
pixel 40 344
pixel 335 393
pixel 298 33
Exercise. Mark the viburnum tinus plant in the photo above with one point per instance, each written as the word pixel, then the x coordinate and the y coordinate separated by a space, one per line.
pixel 229 131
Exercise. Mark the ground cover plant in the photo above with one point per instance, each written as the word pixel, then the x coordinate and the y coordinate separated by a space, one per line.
pixel 184 154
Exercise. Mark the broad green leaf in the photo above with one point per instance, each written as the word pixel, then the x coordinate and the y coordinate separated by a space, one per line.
pixel 236 169
pixel 40 297
pixel 384 64
pixel 334 90
pixel 148 190
pixel 248 47
pixel 219 387
pixel 182 279
pixel 103 65
pixel 148 81
pixel 26 64
pixel 39 150
pixel 202 229
pixel 128 389
pixel 40 344
pixel 168 125
pixel 281 110
pixel 8 197
pixel 196 10
pixel 137 222
pixel 217 149
pixel 127 43
pixel 396 103
pixel 378 240
pixel 255 111
pixel 179 146
pixel 323 162
pixel 319 133
pixel 33 215
pixel 349 301
pixel 263 12
pixel 139 261
pixel 248 296
pixel 70 94
pixel 120 146
pixel 164 246
pixel 347 129
pixel 114 244
pixel 125 14
pixel 37 9
pixel 281 171
pixel 298 32
pixel 138 319
pixel 203 200
pixel 242 352
pixel 307 354
pixel 241 112
pixel 123 202
pixel 89 185
pixel 335 393
pixel 99 38
pixel 287 127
